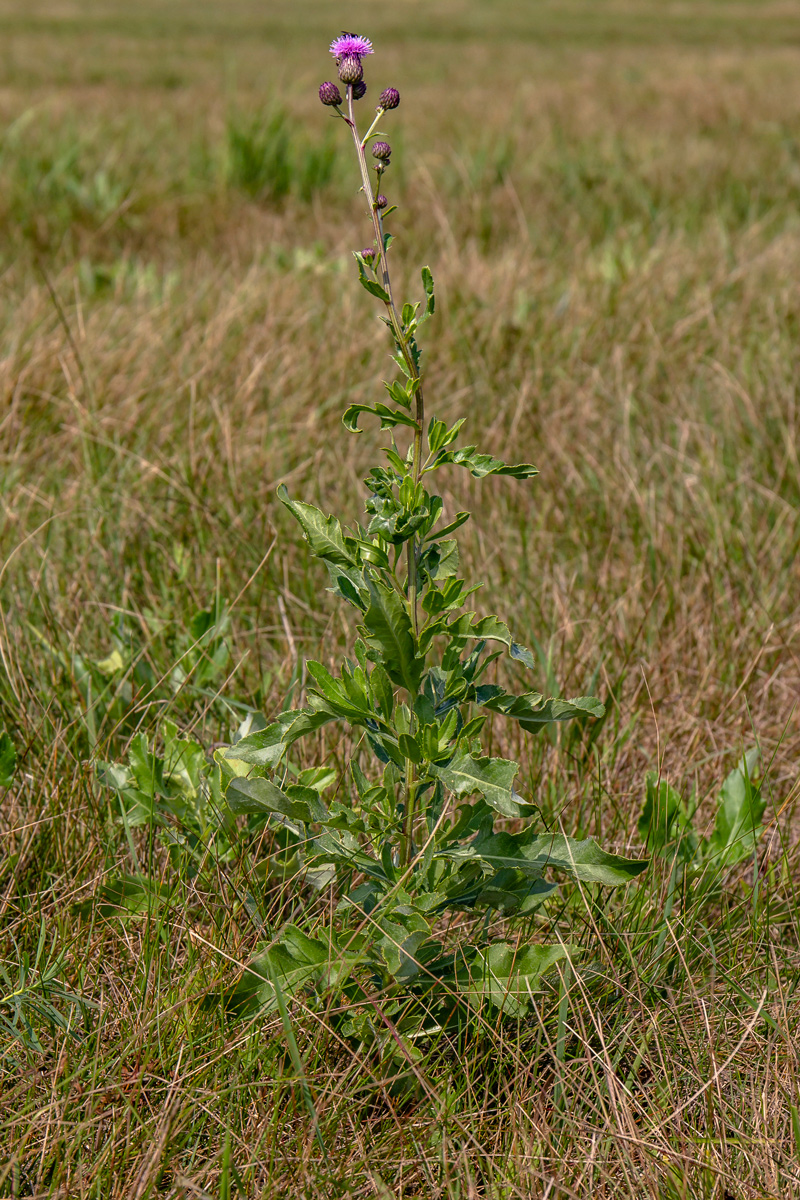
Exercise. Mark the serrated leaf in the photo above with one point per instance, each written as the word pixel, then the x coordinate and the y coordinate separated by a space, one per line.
pixel 492 778
pixel 323 534
pixel 466 628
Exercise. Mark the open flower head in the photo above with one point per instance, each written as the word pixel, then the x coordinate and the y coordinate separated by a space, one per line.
pixel 350 45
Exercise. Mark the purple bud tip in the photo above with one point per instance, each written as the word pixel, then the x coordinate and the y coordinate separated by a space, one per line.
pixel 329 93
pixel 350 44
pixel 390 98
pixel 350 69
pixel 368 254
pixel 381 201
pixel 359 89
pixel 382 150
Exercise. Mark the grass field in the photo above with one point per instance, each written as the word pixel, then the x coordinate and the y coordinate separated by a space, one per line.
pixel 608 195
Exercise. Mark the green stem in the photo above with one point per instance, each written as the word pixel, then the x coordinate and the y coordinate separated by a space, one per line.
pixel 400 338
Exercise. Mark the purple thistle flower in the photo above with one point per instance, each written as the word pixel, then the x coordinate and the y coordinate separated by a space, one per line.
pixel 382 150
pixel 350 45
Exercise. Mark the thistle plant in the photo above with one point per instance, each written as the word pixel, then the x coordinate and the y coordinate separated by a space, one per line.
pixel 423 822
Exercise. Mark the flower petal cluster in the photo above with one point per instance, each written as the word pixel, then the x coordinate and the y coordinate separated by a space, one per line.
pixel 350 45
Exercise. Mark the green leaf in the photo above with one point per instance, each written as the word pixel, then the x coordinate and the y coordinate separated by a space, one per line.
pixel 374 289
pixel 505 976
pixel 427 283
pixel 583 860
pixel 387 632
pixel 737 827
pixel 262 796
pixel 492 778
pixel 532 710
pixel 382 691
pixel 323 534
pixel 338 699
pixel 8 760
pixel 456 523
pixel 127 896
pixel 466 628
pixel 664 825
pixel 297 961
pixel 401 394
pixel 481 465
pixel 389 417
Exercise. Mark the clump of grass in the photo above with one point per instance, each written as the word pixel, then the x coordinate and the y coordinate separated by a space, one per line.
pixel 268 159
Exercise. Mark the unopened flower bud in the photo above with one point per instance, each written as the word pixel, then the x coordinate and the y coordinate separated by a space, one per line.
pixel 350 69
pixel 382 150
pixel 359 89
pixel 389 98
pixel 381 201
pixel 329 93
pixel 368 254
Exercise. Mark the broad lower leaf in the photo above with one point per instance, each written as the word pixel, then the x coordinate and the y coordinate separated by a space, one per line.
pixel 298 803
pixel 297 961
pixel 583 859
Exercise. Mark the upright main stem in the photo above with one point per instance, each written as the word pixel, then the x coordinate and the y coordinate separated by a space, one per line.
pixel 402 341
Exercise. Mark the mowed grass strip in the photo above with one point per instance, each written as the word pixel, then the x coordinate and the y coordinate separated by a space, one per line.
pixel 608 198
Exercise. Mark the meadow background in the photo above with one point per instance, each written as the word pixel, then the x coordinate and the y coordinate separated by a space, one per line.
pixel 607 194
